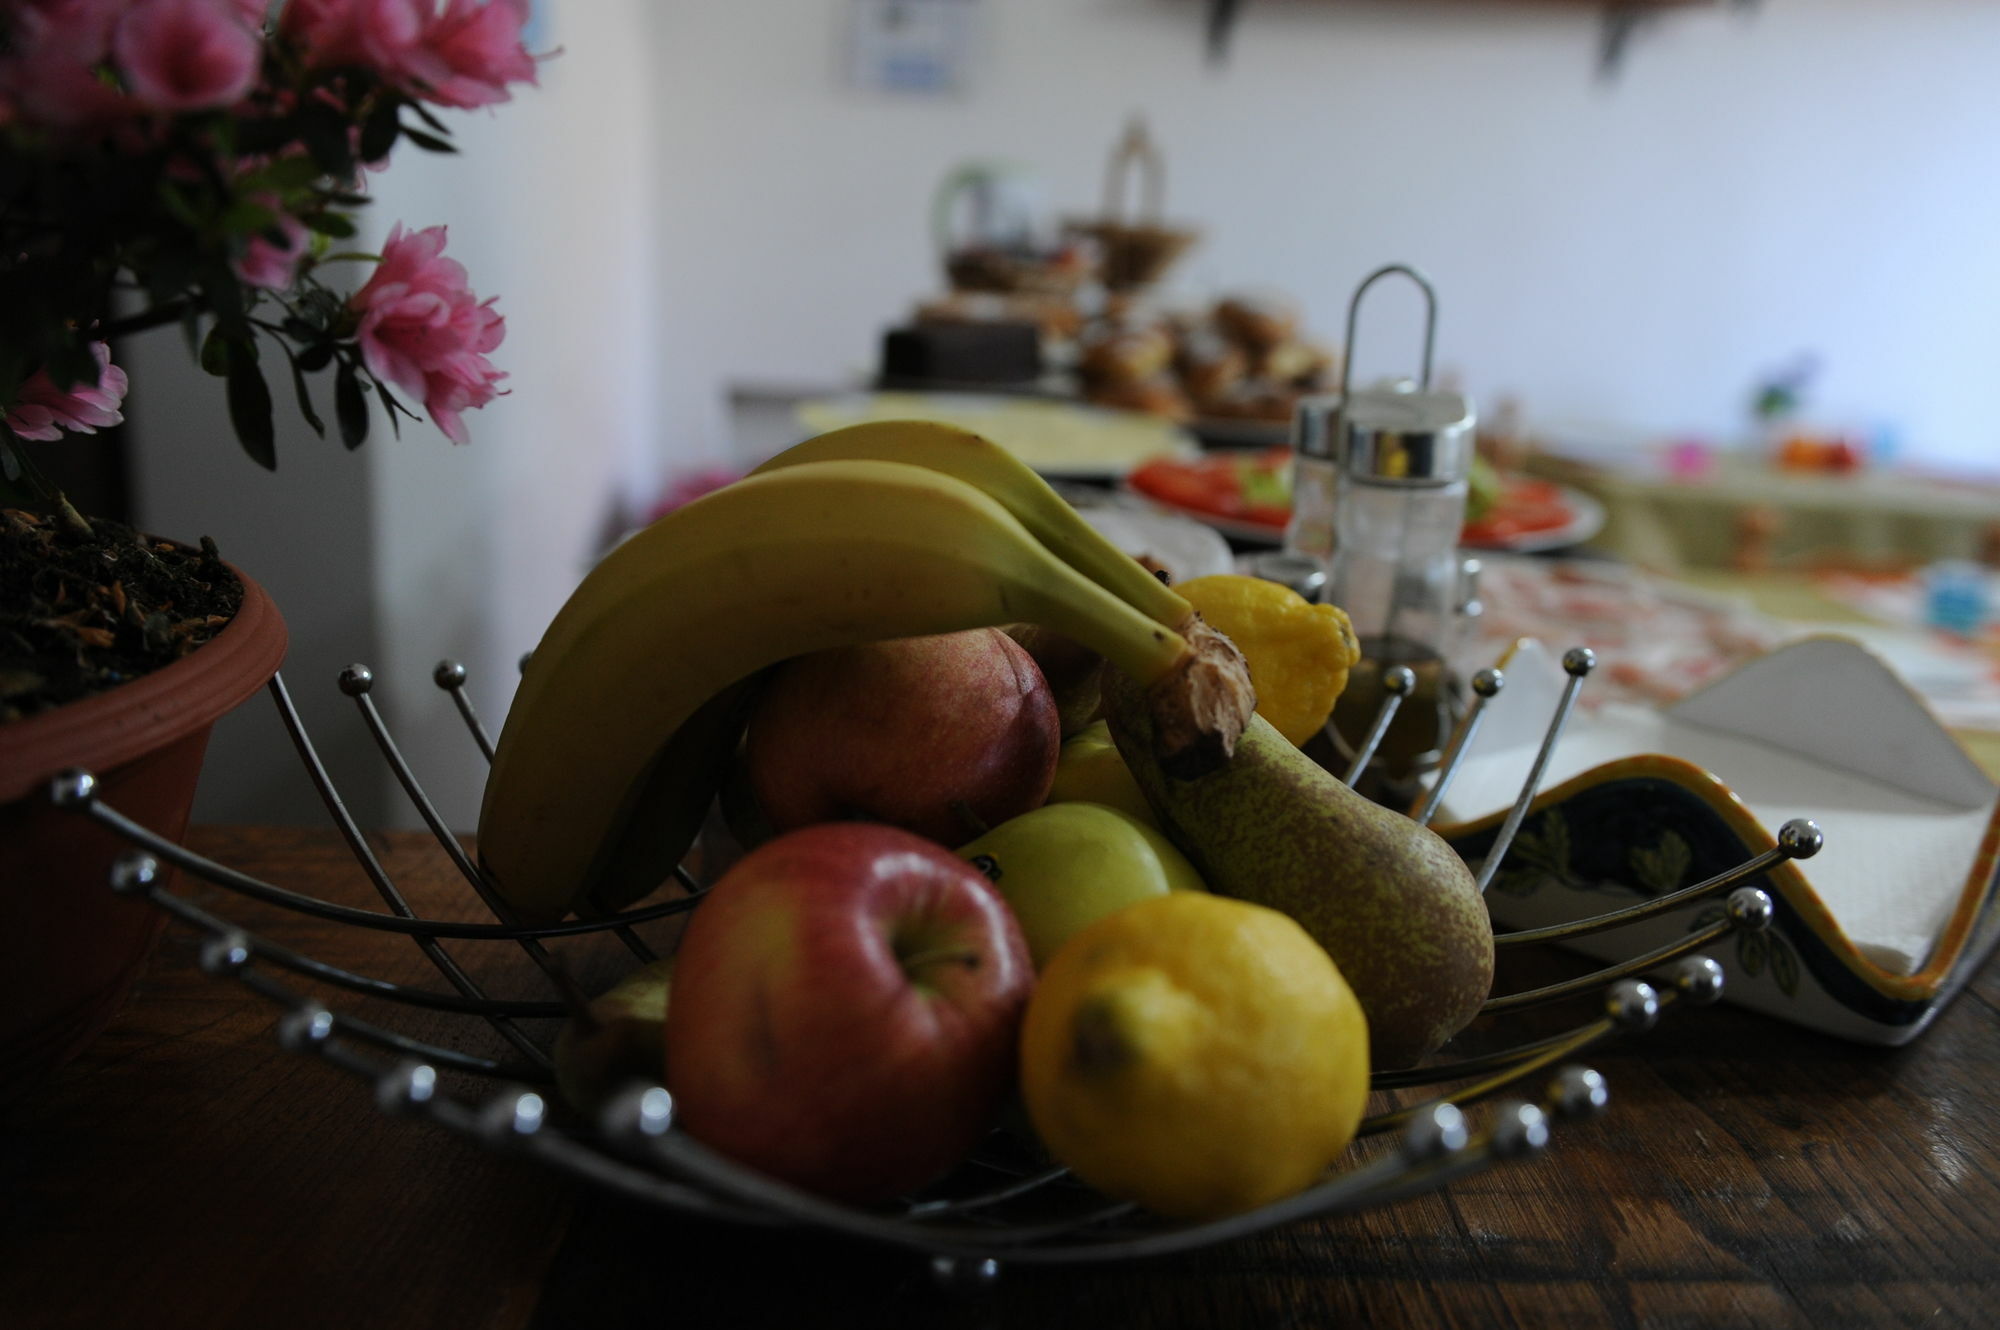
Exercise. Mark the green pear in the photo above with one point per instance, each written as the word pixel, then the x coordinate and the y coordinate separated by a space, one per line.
pixel 1390 901
pixel 1062 866
pixel 618 1036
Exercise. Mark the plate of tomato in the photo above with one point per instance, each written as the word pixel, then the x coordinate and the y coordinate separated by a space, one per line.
pixel 1247 495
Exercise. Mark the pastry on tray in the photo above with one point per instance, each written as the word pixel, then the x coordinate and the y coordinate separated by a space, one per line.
pixel 1158 395
pixel 1256 322
pixel 1125 356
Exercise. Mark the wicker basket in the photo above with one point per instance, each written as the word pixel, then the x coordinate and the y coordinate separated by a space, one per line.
pixel 1134 253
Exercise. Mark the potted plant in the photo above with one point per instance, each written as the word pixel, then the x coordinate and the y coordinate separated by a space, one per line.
pixel 198 163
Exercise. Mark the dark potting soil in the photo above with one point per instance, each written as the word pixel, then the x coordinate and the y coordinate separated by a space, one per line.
pixel 78 616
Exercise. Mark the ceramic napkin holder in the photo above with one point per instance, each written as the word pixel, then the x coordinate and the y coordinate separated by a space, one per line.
pixel 1870 937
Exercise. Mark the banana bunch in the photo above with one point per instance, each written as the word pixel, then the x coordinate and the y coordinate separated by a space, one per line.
pixel 628 709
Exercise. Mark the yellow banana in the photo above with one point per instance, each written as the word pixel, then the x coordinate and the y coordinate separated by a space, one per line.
pixel 585 789
pixel 985 465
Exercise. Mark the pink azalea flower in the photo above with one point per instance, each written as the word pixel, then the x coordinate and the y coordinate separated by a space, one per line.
pixel 472 51
pixel 269 266
pixel 181 55
pixel 424 330
pixel 81 26
pixel 61 93
pixel 463 55
pixel 49 76
pixel 43 411
pixel 378 34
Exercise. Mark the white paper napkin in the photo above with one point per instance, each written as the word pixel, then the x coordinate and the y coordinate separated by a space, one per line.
pixel 1819 729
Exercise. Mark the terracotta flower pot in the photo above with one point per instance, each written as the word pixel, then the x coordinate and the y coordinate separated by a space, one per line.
pixel 70 950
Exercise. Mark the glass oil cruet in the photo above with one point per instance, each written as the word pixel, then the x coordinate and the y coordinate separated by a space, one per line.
pixel 1395 457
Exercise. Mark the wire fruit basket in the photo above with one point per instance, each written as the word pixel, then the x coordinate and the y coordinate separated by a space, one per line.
pixel 1008 1203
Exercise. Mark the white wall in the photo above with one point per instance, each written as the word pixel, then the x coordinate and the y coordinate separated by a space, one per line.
pixel 549 206
pixel 411 550
pixel 1815 174
pixel 694 198
pixel 306 533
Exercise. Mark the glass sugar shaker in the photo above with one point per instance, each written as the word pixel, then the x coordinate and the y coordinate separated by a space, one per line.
pixel 1400 456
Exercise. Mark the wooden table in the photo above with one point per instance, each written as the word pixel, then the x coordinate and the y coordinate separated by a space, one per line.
pixel 187 1172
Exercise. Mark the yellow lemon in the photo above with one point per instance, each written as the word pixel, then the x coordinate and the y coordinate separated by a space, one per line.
pixel 1298 652
pixel 1196 1054
pixel 1089 770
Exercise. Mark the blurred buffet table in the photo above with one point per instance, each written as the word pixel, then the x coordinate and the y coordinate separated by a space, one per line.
pixel 1802 598
pixel 1733 504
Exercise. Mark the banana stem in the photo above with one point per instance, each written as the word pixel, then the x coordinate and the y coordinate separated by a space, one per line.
pixel 1197 684
pixel 1201 706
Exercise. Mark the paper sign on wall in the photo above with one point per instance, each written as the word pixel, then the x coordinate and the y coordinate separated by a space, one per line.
pixel 911 46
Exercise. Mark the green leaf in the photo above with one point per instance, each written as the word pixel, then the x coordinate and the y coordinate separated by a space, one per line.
pixel 246 218
pixel 324 130
pixel 1662 869
pixel 331 224
pixel 1544 844
pixel 428 118
pixel 428 141
pixel 226 299
pixel 316 356
pixel 394 406
pixel 300 391
pixel 250 410
pixel 378 132
pixel 177 204
pixel 222 133
pixel 286 173
pixel 350 405
pixel 1784 965
pixel 1750 952
pixel 215 353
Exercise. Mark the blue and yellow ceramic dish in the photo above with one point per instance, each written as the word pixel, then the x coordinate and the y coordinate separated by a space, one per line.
pixel 1645 825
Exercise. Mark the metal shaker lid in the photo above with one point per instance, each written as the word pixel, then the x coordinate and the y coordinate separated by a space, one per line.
pixel 1398 432
pixel 1389 434
pixel 1314 420
pixel 1406 438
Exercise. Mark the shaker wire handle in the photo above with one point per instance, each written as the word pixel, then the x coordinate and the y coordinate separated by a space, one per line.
pixel 1354 311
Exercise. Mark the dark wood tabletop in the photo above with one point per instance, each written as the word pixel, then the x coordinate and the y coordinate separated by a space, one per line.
pixel 186 1171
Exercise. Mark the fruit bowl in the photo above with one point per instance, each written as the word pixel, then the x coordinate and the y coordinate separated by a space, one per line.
pixel 1008 1202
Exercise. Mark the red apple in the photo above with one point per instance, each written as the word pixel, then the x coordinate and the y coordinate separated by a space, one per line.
pixel 944 736
pixel 844 1010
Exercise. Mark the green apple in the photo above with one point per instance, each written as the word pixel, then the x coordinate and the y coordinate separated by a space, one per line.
pixel 1089 770
pixel 619 1036
pixel 1061 866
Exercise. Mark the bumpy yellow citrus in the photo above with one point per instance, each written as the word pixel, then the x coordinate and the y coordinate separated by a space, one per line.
pixel 1298 652
pixel 1196 1054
